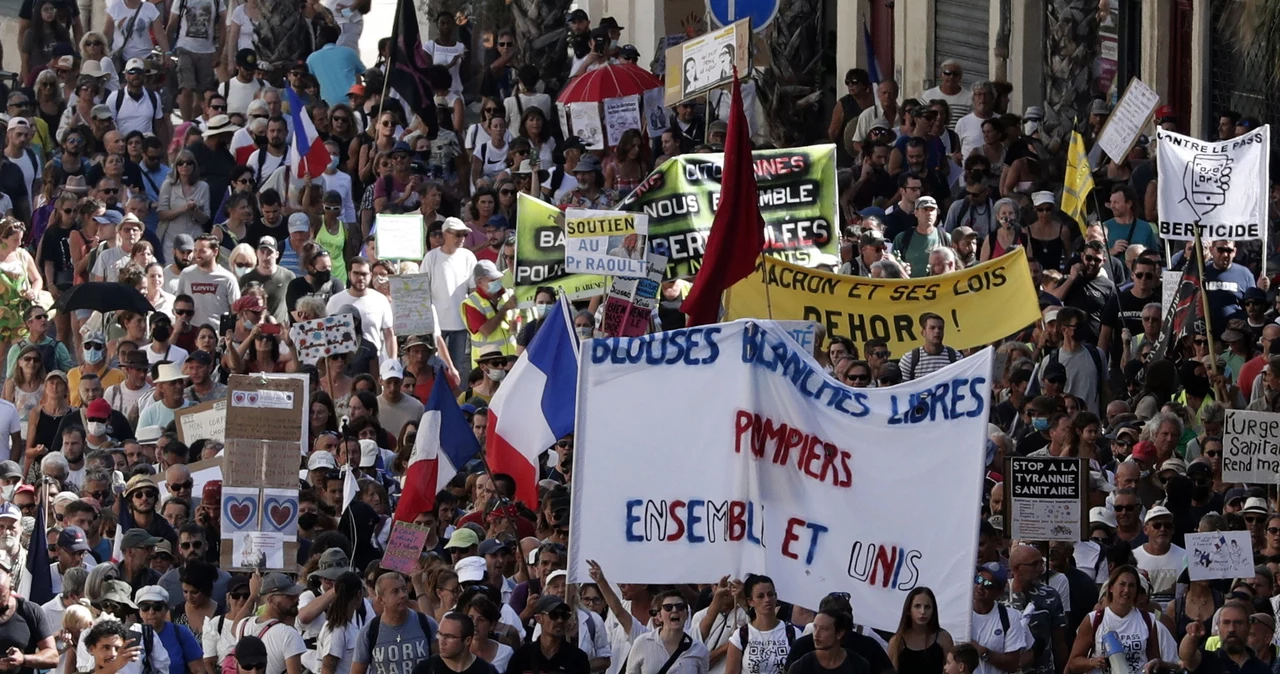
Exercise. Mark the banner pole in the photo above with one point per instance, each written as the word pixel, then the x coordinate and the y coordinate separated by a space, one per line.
pixel 1204 302
pixel 764 277
pixel 1168 255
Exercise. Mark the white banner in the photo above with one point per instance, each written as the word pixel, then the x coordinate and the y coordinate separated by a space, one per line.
pixel 1251 447
pixel 607 243
pixel 1219 555
pixel 1219 186
pixel 779 470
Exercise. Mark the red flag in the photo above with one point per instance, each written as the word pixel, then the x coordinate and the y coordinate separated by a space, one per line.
pixel 737 233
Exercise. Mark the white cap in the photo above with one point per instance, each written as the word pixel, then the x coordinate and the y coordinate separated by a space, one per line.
pixel 151 593
pixel 368 453
pixel 1039 198
pixel 321 459
pixel 65 497
pixel 135 64
pixel 455 225
pixel 470 569
pixel 1256 504
pixel 149 435
pixel 1157 511
pixel 391 369
pixel 561 573
pixel 1102 515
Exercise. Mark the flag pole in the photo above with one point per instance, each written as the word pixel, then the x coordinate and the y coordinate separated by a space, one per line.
pixel 391 54
pixel 764 277
pixel 1204 302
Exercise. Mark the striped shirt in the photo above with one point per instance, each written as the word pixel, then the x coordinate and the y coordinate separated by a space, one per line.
pixel 919 363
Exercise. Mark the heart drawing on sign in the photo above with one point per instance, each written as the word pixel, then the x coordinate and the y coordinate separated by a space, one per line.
pixel 240 511
pixel 280 512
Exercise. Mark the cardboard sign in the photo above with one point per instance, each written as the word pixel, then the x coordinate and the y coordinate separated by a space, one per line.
pixel 1045 498
pixel 1219 555
pixel 404 547
pixel 411 309
pixel 631 302
pixel 608 243
pixel 323 337
pixel 797 452
pixel 540 251
pixel 1125 123
pixel 204 421
pixel 586 124
pixel 621 115
pixel 706 62
pixel 1251 447
pixel 263 463
pixel 400 237
pixel 271 419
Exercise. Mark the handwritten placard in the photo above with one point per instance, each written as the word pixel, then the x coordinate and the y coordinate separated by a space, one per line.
pixel 323 337
pixel 620 115
pixel 404 547
pixel 400 237
pixel 1126 121
pixel 206 421
pixel 272 421
pixel 586 124
pixel 1219 555
pixel 411 310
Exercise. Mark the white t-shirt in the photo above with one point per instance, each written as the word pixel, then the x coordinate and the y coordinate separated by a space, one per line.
pixel 960 103
pixel 723 628
pixel 239 96
pixel 174 354
pixel 213 291
pixel 199 19
pixel 30 165
pixel 1162 570
pixel 10 423
pixel 125 400
pixel 494 158
pixel 442 55
pixel 475 133
pixel 534 100
pixel 282 642
pixel 340 643
pixel 137 44
pixel 248 34
pixel 375 314
pixel 969 128
pixel 451 280
pixel 135 115
pixel 766 652
pixel 1132 632
pixel 270 163
pixel 988 632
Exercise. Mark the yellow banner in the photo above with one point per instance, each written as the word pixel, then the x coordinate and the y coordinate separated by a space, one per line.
pixel 1077 183
pixel 981 304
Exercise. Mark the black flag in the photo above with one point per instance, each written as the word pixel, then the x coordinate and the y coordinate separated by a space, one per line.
pixel 407 69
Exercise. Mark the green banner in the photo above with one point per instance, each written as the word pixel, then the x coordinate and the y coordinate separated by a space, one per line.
pixel 540 254
pixel 798 192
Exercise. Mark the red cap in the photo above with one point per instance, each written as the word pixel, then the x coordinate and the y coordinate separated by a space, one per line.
pixel 212 492
pixel 1144 451
pixel 1165 111
pixel 98 409
pixel 22 489
pixel 247 303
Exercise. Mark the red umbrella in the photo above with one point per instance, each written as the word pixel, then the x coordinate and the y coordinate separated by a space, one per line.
pixel 609 81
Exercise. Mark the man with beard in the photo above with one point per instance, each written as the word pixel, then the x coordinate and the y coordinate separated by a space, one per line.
pixel 1225 284
pixel 140 497
pixel 212 287
pixel 136 107
pixel 1131 302
pixel 552 648
pixel 184 248
pixel 274 626
pixel 214 158
pixel 26 636
pixel 272 223
pixel 192 547
pixel 373 305
pixel 136 547
pixel 1086 289
pixel 265 161
pixel 1233 656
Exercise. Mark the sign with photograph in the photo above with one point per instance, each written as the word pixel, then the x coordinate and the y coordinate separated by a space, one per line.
pixel 703 63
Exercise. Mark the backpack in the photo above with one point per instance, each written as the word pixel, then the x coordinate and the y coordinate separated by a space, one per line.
pixel 944 239
pixel 377 622
pixel 155 100
pixel 1097 364
pixel 744 635
pixel 1153 639
pixel 48 353
pixel 916 353
pixel 229 665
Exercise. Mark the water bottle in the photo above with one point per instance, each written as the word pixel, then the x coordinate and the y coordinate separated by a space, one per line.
pixel 1113 651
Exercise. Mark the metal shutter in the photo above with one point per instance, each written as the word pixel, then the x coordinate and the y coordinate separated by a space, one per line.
pixel 960 32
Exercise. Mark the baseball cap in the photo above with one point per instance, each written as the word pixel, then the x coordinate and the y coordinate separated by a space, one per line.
pixel 927 202
pixel 461 539
pixel 997 572
pixel 1144 451
pixel 135 64
pixel 299 223
pixel 1099 107
pixel 138 538
pixel 269 242
pixel 1175 464
pixel 963 232
pixel 101 112
pixel 548 603
pixel 487 269
pixel 1042 198
pixel 1102 515
pixel 10 469
pixel 578 15
pixel 1157 511
pixel 1199 468
pixel 98 409
pixel 368 453
pixel 184 243
pixel 278 583
pixel 247 58
pixel 391 369
pixel 491 546
pixel 1234 494
pixel 321 459
pixel 1055 373
pixel 9 511
pixel 470 569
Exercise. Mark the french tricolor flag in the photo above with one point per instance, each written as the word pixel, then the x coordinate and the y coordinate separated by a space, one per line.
pixel 444 445
pixel 310 156
pixel 535 405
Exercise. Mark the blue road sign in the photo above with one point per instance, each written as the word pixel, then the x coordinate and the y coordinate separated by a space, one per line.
pixel 761 12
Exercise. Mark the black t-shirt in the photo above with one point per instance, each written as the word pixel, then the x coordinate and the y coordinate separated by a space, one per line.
pixel 859 645
pixel 1217 662
pixel 897 221
pixel 55 247
pixel 1128 311
pixel 215 169
pixel 879 185
pixel 569 659
pixel 527 333
pixel 436 665
pixel 259 229
pixel 24 630
pixel 300 287
pixel 1093 297
pixel 808 664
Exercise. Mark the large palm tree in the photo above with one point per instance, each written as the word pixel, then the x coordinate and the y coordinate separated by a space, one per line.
pixel 790 86
pixel 1072 46
pixel 283 36
pixel 540 28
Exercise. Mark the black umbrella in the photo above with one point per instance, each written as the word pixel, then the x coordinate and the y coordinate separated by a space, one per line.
pixel 100 296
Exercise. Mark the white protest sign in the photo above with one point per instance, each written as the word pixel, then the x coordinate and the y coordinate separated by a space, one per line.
pixel 322 337
pixel 562 111
pixel 586 124
pixel 1251 447
pixel 605 243
pixel 411 310
pixel 1125 123
pixel 206 420
pixel 804 332
pixel 400 237
pixel 1219 555
pixel 621 115
pixel 1169 282
pixel 1045 498
pixel 655 113
pixel 786 458
pixel 1219 186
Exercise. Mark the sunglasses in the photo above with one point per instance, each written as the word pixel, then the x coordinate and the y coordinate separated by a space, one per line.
pixel 146 493
pixel 68 211
pixel 1255 519
pixel 681 606
pixel 110 190
pixel 1044 209
pixel 984 582
pixel 99 495
pixel 858 377
pixel 1226 249
pixel 148 606
pixel 506 44
pixel 94 43
pixel 1274 531
pixel 1145 276
pixel 506 193
pixel 184 163
pixel 888 381
pixel 1201 342
pixel 333 209
pixel 341 119
pixel 559 614
pixel 182 486
pixel 950 73
pixel 239 596
pixel 1160 526
pixel 1125 508
pixel 1213 455
pixel 184 312
pixel 94 345
pixel 192 545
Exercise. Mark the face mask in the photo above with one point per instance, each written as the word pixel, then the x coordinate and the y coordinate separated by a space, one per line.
pixel 584 332
pixel 494 287
pixel 496 374
pixel 1029 127
pixel 1040 423
pixel 93 356
pixel 540 310
pixel 7 491
pixel 248 325
pixel 96 428
pixel 161 333
pixel 322 277
pixel 333 162
pixel 241 270
pixel 308 521
pixel 380 279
